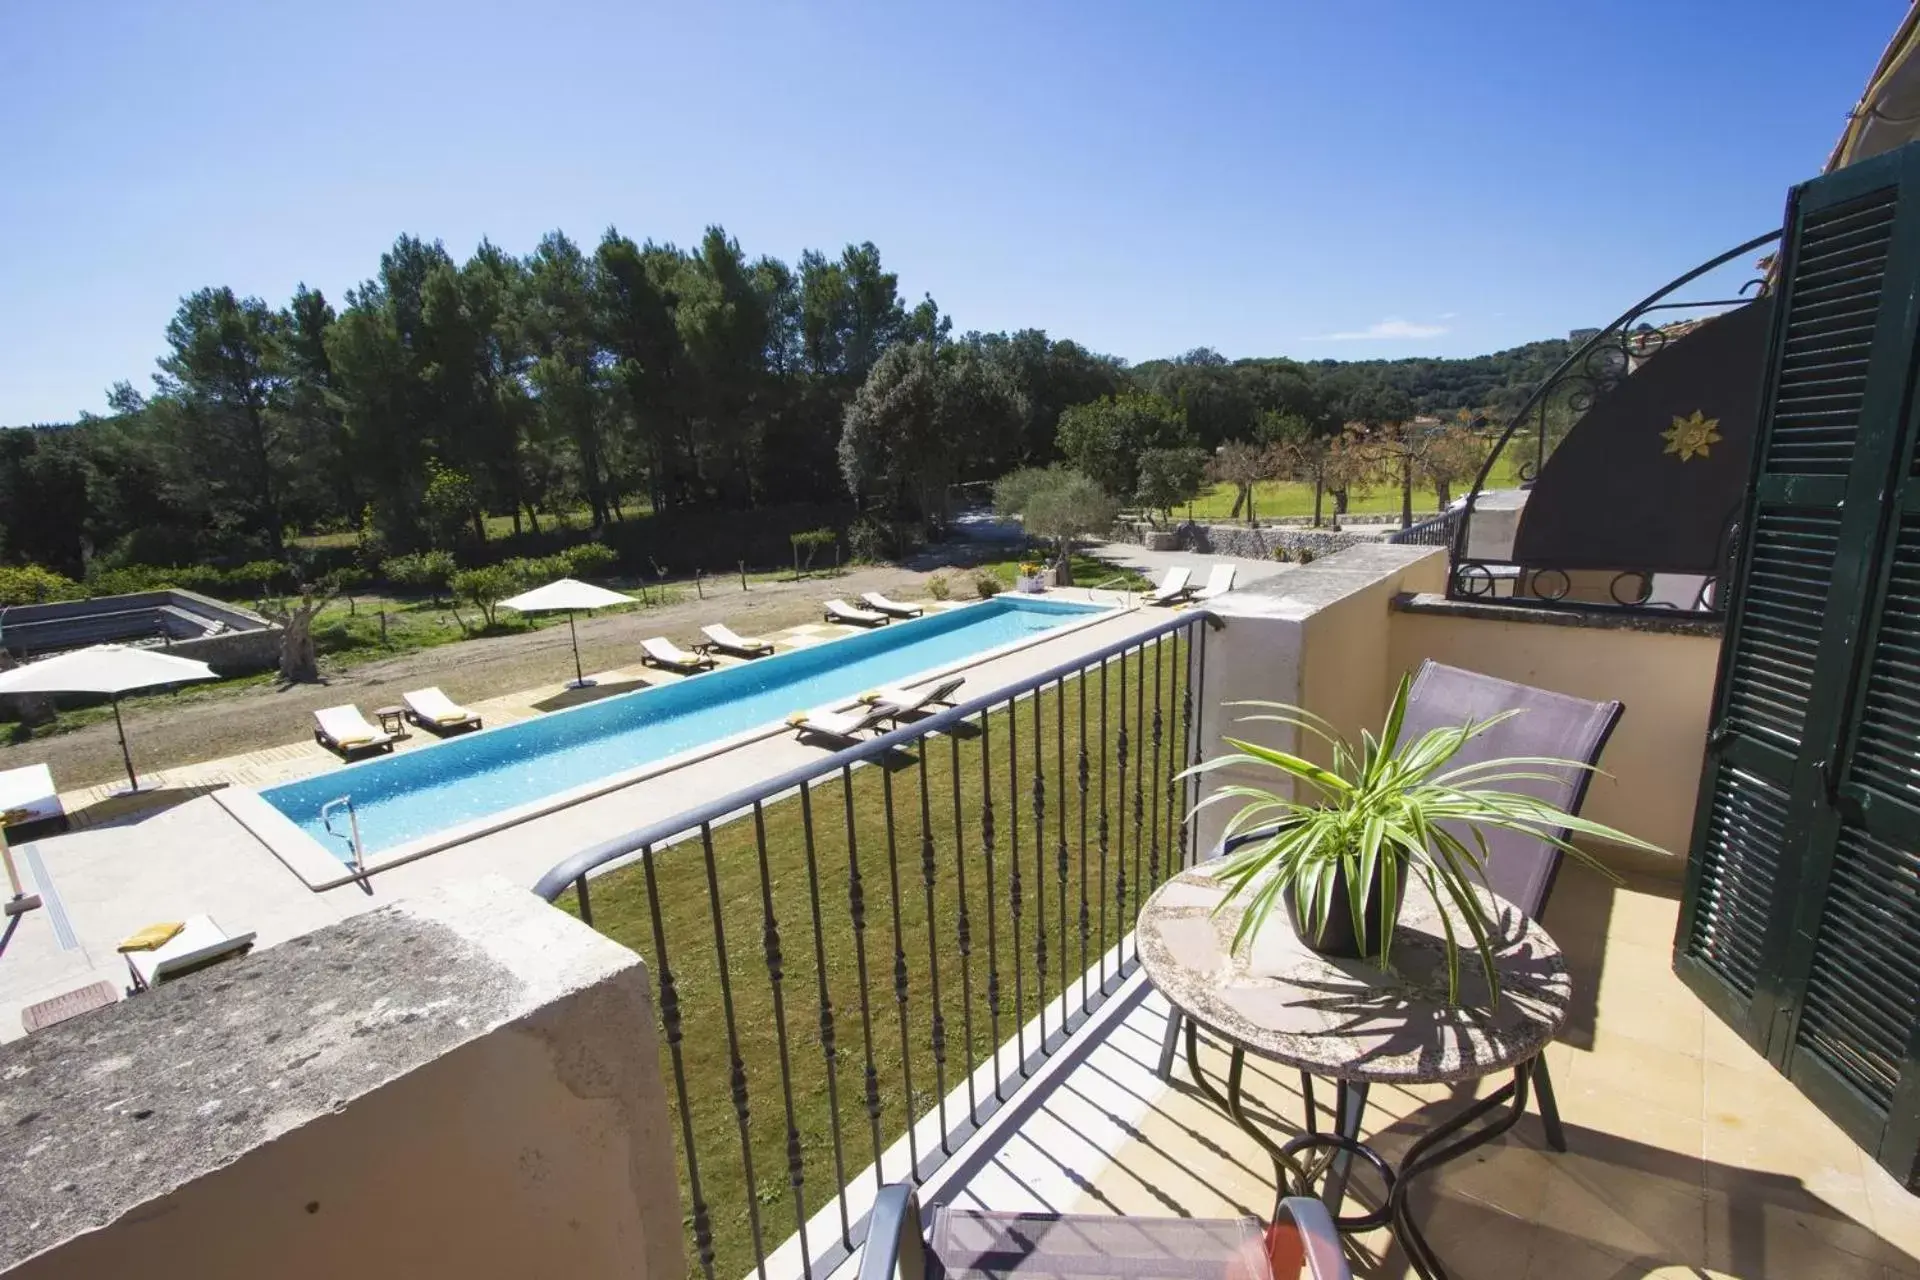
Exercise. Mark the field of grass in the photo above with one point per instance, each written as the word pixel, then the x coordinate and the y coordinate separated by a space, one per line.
pixel 937 896
pixel 1278 499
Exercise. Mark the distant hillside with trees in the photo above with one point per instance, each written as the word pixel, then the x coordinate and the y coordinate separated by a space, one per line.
pixel 440 399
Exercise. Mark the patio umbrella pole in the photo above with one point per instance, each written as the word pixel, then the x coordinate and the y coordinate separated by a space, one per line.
pixel 579 676
pixel 133 780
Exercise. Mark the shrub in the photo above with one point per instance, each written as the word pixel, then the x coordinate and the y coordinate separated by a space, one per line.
pixel 129 579
pixel 259 577
pixel 31 584
pixel 1306 555
pixel 535 571
pixel 868 540
pixel 485 588
pixel 986 586
pixel 589 559
pixel 420 570
pixel 940 587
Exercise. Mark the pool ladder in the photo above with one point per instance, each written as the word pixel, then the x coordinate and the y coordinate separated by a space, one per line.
pixel 353 829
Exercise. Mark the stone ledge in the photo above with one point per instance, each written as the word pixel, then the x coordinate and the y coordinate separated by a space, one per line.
pixel 108 1112
pixel 1539 616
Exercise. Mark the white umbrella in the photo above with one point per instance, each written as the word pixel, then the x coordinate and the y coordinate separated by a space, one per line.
pixel 569 595
pixel 112 669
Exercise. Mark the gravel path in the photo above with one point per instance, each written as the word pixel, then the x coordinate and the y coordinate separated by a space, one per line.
pixel 172 730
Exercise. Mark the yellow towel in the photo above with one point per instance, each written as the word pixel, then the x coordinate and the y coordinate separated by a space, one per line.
pixel 152 937
pixel 455 718
pixel 797 719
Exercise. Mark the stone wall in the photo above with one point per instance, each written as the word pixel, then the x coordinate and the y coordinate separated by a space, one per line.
pixel 234 653
pixel 1257 543
pixel 464 1087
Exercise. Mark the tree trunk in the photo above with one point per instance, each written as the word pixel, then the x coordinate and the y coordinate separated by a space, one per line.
pixel 299 663
pixel 1340 501
pixel 1319 491
pixel 1442 492
pixel 480 526
pixel 1406 493
pixel 1063 564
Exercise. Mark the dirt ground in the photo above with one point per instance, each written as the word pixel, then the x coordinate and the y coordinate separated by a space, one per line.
pixel 166 730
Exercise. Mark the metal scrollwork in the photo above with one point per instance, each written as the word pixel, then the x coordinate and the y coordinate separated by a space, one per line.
pixel 1598 365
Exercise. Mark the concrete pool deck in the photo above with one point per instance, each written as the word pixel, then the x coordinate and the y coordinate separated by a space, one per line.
pixel 120 871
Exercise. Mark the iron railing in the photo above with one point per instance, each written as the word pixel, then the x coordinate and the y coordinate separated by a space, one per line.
pixel 1434 531
pixel 1597 366
pixel 1042 814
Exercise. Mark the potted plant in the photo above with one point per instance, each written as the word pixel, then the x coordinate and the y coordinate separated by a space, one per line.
pixel 1033 578
pixel 1385 811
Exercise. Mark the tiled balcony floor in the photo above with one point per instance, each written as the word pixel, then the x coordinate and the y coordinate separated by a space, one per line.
pixel 1689 1156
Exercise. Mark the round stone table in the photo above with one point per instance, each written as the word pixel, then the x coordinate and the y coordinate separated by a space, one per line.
pixel 1353 1023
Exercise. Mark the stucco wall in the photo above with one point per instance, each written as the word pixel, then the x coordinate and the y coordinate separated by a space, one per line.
pixel 464 1088
pixel 1664 677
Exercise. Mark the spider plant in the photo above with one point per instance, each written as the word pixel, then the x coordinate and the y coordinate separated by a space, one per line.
pixel 1384 811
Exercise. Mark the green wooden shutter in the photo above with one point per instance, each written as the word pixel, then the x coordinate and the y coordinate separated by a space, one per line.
pixel 1832 411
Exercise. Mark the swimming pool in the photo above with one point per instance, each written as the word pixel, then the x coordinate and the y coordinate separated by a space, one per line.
pixel 400 799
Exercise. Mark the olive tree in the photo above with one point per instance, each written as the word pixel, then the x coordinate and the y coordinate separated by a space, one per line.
pixel 1058 504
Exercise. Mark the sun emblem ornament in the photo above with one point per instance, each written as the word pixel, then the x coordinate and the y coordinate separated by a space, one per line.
pixel 1690 437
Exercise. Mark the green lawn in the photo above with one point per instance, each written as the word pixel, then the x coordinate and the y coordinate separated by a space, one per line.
pixel 1276 499
pixel 797 899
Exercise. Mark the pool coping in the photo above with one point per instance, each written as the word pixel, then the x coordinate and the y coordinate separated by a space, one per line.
pixel 320 870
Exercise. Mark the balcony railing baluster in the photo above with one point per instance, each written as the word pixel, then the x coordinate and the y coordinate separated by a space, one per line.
pixel 963 929
pixel 828 1051
pixel 899 967
pixel 857 912
pixel 684 925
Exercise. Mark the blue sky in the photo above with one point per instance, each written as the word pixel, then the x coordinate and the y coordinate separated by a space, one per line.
pixel 1305 179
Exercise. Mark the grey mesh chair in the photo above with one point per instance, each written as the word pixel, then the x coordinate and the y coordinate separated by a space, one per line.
pixel 966 1244
pixel 1520 868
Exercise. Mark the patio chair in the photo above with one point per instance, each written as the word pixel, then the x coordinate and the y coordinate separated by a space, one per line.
pixel 845 726
pixel 658 651
pixel 1520 868
pixel 723 638
pixel 431 709
pixel 841 611
pixel 892 608
pixel 965 1244
pixel 344 730
pixel 193 945
pixel 1219 582
pixel 898 702
pixel 1175 585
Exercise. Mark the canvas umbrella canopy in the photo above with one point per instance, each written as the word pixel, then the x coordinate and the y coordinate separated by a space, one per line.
pixel 571 596
pixel 112 669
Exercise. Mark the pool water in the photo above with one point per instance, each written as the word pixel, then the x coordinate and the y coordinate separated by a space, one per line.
pixel 402 798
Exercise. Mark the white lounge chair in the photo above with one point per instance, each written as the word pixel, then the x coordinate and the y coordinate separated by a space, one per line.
pixel 345 730
pixel 825 722
pixel 892 608
pixel 658 651
pixel 898 702
pixel 722 637
pixel 1173 587
pixel 841 611
pixel 1219 582
pixel 431 709
pixel 200 943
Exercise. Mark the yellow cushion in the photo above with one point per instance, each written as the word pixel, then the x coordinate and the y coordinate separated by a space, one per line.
pixel 153 936
pixel 797 719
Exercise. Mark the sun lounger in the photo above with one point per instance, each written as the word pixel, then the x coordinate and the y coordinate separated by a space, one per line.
pixel 841 611
pixel 431 709
pixel 199 943
pixel 658 651
pixel 1219 582
pixel 898 702
pixel 824 722
pixel 892 608
pixel 29 805
pixel 722 637
pixel 345 730
pixel 1173 588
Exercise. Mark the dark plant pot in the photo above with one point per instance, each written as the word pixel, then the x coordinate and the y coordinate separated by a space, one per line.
pixel 1336 934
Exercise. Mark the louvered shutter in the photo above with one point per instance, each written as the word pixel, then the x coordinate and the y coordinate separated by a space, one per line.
pixel 1837 375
